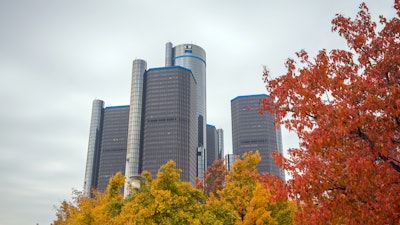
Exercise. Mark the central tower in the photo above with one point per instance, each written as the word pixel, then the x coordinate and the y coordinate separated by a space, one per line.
pixel 193 57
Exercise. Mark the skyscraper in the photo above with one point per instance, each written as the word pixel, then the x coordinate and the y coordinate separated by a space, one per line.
pixel 193 57
pixel 113 144
pixel 252 131
pixel 170 120
pixel 107 145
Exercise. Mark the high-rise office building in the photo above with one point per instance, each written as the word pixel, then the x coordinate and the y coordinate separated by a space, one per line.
pixel 170 121
pixel 252 131
pixel 193 57
pixel 113 144
pixel 107 145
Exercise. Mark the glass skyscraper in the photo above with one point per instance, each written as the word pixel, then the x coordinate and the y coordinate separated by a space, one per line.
pixel 170 121
pixel 193 57
pixel 252 131
pixel 113 144
pixel 107 145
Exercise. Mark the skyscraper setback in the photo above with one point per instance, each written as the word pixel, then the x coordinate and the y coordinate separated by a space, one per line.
pixel 166 119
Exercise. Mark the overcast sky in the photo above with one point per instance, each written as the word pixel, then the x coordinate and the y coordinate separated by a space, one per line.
pixel 57 56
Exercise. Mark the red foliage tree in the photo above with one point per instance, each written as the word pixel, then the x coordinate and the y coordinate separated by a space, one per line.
pixel 214 178
pixel 275 185
pixel 345 107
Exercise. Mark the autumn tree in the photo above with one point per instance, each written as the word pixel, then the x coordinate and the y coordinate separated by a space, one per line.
pixel 345 107
pixel 277 186
pixel 100 209
pixel 214 178
pixel 164 200
pixel 218 212
pixel 250 198
pixel 64 213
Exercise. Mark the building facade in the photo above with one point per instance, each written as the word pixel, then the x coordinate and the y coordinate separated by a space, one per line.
pixel 170 121
pixel 193 57
pixel 113 144
pixel 252 131
pixel 107 145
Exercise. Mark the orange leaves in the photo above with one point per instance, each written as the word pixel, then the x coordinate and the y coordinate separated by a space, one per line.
pixel 214 177
pixel 239 199
pixel 344 106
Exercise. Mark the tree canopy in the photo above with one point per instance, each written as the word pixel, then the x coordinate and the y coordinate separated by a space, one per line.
pixel 241 198
pixel 345 107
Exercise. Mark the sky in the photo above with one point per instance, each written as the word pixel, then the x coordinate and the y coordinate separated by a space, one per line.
pixel 56 57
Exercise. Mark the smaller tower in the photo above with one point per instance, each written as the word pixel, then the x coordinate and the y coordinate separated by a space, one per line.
pixel 168 54
pixel 93 153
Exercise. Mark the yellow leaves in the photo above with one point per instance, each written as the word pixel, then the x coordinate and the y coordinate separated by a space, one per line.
pixel 167 200
pixel 114 186
pixel 258 211
pixel 248 197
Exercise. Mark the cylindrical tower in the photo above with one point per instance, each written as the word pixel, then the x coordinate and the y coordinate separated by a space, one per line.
pixel 93 147
pixel 135 119
pixel 193 57
pixel 168 54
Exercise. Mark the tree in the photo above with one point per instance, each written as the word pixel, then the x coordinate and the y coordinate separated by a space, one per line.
pixel 345 107
pixel 276 185
pixel 218 212
pixel 164 200
pixel 101 209
pixel 245 199
pixel 249 198
pixel 240 183
pixel 258 208
pixel 214 178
